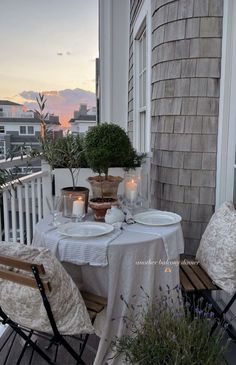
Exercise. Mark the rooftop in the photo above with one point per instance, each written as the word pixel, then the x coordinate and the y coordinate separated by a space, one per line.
pixel 7 102
pixel 52 121
pixel 84 118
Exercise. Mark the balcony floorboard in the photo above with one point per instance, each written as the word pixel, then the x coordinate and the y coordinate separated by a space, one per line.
pixel 63 358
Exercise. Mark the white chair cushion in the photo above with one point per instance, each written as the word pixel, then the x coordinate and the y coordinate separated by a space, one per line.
pixel 217 250
pixel 24 304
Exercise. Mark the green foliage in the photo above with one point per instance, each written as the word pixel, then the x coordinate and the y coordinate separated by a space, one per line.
pixel 107 145
pixel 3 176
pixel 164 334
pixel 64 152
pixel 13 174
pixel 41 101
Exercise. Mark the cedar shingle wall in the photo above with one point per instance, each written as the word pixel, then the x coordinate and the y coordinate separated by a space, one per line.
pixel 186 58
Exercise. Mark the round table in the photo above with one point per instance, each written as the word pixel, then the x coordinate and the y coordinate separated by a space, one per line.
pixel 138 256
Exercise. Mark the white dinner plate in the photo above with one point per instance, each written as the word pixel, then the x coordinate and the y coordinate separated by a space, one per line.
pixel 157 218
pixel 85 229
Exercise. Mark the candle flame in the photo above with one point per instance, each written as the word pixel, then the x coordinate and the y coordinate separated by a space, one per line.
pixel 132 181
pixel 80 198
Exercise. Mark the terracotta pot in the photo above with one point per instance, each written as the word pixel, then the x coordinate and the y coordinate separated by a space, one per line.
pixel 74 194
pixel 106 188
pixel 100 206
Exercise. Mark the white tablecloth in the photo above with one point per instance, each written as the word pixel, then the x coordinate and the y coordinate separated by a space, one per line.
pixel 139 256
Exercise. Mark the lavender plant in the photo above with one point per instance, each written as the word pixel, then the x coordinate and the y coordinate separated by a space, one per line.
pixel 170 332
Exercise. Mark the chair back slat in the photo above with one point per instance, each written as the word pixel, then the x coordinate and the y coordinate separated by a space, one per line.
pixel 20 264
pixel 22 279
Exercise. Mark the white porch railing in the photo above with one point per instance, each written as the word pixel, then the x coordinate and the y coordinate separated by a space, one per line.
pixel 24 203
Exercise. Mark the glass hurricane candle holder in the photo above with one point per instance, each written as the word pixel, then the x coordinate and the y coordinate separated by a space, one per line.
pixel 74 206
pixel 131 189
pixel 78 209
pixel 136 190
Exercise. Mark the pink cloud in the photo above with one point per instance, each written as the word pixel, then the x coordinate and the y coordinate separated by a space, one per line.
pixel 61 102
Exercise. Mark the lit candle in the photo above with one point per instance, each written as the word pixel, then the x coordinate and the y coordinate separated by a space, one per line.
pixel 131 190
pixel 78 207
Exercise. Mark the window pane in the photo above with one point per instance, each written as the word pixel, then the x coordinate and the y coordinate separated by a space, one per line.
pixel 141 90
pixel 144 49
pixel 30 130
pixel 22 129
pixel 142 131
pixel 140 55
pixel 2 129
pixel 144 88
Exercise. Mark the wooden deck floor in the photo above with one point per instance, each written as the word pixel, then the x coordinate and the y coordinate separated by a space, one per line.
pixel 63 357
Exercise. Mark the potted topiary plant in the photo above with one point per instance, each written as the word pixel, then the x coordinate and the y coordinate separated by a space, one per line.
pixel 107 145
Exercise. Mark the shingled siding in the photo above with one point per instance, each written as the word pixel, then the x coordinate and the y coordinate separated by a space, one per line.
pixel 186 58
pixel 134 8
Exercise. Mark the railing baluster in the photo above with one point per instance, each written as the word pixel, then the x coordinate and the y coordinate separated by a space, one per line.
pixel 33 202
pixel 46 186
pixel 13 215
pixel 39 197
pixel 5 213
pixel 21 216
pixel 27 214
pixel 30 206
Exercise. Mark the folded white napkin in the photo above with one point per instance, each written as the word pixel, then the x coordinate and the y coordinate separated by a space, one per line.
pixel 92 251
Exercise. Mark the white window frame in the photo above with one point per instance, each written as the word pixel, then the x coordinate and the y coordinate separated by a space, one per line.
pixel 142 21
pixel 227 110
pixel 226 165
pixel 27 130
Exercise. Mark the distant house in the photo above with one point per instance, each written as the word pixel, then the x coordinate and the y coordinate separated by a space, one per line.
pixel 83 119
pixel 20 127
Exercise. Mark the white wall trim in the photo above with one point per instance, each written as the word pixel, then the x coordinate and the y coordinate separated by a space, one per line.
pixel 227 107
pixel 105 55
pixel 144 15
pixel 114 60
pixel 227 120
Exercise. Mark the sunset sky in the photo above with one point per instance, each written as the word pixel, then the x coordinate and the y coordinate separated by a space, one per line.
pixel 48 45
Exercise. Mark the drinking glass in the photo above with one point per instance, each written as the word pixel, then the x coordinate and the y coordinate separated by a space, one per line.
pixel 54 205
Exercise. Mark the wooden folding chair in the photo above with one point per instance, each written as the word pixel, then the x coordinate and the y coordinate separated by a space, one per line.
pixel 95 304
pixel 195 282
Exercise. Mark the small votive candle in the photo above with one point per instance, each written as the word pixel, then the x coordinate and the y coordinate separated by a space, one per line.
pixel 78 207
pixel 131 190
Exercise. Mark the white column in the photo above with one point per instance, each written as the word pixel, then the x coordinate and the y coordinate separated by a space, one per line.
pixel 114 60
